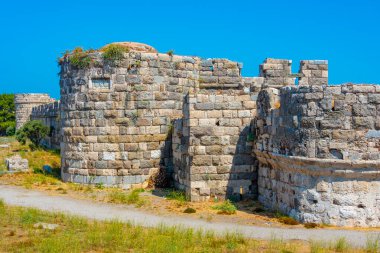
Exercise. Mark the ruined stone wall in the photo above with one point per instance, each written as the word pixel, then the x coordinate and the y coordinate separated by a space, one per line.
pixel 49 115
pixel 318 149
pixel 185 116
pixel 119 133
pixel 220 152
pixel 212 156
pixel 337 122
pixel 24 104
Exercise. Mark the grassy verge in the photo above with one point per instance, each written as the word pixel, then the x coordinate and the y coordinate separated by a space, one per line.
pixel 226 207
pixel 75 234
pixel 37 158
pixel 130 198
pixel 178 196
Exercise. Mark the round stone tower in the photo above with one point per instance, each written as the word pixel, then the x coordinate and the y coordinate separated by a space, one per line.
pixel 116 115
pixel 24 104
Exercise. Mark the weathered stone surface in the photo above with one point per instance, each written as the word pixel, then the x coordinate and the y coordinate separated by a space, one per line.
pixel 203 125
pixel 16 163
pixel 48 226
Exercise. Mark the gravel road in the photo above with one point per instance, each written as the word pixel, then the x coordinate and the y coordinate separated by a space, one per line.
pixel 18 196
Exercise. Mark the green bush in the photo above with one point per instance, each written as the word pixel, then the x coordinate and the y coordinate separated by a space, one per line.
pixel 34 131
pixel 79 58
pixel 227 207
pixel 7 112
pixel 114 52
pixel 11 130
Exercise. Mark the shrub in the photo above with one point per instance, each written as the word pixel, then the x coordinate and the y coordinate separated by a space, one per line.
pixel 227 207
pixel 170 52
pixel 190 210
pixel 7 112
pixel 114 52
pixel 33 130
pixel 80 59
pixel 11 130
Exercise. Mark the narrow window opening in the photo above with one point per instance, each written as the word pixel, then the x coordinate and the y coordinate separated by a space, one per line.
pixel 101 83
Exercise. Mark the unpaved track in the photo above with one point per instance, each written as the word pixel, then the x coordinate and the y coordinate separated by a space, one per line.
pixel 18 196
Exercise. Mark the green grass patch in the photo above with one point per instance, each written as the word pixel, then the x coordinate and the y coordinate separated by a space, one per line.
pixel 76 234
pixel 341 245
pixel 226 207
pixel 373 244
pixel 178 196
pixel 130 198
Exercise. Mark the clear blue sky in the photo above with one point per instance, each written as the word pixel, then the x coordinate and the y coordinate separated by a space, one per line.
pixel 345 32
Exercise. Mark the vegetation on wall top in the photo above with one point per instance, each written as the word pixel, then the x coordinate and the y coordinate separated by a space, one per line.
pixel 81 59
pixel 114 52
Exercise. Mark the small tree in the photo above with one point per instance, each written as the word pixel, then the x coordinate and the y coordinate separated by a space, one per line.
pixel 11 130
pixel 7 112
pixel 33 130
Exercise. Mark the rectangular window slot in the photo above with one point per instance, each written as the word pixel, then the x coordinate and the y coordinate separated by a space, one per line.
pixel 101 83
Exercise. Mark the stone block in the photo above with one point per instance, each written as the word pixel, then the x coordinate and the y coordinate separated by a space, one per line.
pixel 360 88
pixel 16 163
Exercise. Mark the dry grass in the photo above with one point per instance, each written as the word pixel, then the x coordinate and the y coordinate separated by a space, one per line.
pixel 76 234
pixel 37 158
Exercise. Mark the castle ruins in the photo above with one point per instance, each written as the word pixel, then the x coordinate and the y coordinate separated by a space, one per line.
pixel 306 148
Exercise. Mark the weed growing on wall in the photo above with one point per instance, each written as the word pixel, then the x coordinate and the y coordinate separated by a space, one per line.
pixel 80 58
pixel 114 52
pixel 170 52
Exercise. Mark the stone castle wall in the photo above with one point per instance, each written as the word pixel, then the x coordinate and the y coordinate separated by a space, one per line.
pixel 218 159
pixel 302 147
pixel 49 115
pixel 25 103
pixel 118 133
pixel 318 150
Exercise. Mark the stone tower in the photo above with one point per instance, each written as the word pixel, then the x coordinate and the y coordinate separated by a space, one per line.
pixel 24 104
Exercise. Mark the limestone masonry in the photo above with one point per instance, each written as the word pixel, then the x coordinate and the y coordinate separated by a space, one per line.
pixel 309 149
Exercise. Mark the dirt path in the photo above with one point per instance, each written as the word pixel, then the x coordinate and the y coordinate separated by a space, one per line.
pixel 18 196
